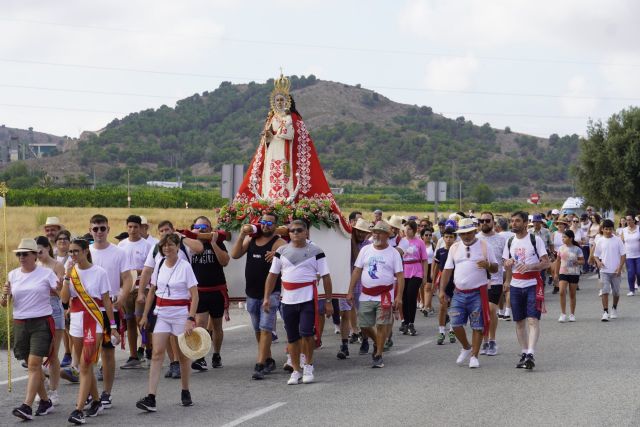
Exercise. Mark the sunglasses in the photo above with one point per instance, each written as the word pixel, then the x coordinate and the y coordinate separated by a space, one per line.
pixel 468 251
pixel 74 251
pixel 296 230
pixel 267 223
pixel 101 229
pixel 200 226
pixel 484 221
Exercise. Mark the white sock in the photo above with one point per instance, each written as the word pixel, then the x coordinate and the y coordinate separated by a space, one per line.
pixel 530 351
pixel 441 329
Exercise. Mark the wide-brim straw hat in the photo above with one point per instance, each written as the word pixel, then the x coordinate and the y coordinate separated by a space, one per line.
pixel 363 225
pixel 27 245
pixel 196 345
pixel 395 221
pixel 53 220
pixel 563 220
pixel 382 226
pixel 466 225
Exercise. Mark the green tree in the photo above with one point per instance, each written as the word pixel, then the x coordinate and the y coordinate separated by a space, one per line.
pixel 608 171
pixel 482 193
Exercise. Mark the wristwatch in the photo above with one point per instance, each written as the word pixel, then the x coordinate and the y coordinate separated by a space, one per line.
pixel 193 319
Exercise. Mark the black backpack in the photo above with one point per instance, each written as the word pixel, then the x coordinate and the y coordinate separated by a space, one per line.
pixel 533 243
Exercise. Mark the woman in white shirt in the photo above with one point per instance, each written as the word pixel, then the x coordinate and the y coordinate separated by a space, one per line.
pixel 174 290
pixel 631 238
pixel 29 287
pixel 86 289
pixel 427 290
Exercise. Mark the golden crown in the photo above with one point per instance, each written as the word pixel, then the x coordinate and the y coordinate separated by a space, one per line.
pixel 282 84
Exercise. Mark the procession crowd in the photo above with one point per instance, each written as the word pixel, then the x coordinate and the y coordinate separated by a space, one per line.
pixel 84 296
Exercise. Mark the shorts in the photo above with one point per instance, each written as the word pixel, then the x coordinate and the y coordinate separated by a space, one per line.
pixel 212 303
pixel 610 283
pixel 571 278
pixel 260 320
pixel 32 337
pixel 372 314
pixel 75 329
pixel 523 303
pixel 116 317
pixel 58 313
pixel 171 325
pixel 495 293
pixel 466 306
pixel 299 320
pixel 129 306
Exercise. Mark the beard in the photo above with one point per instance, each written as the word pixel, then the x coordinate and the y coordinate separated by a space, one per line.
pixel 486 228
pixel 267 233
pixel 376 242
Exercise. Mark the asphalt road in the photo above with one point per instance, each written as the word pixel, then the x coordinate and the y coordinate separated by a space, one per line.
pixel 586 374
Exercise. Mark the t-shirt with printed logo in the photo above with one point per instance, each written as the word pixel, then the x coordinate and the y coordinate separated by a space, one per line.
pixel 379 268
pixel 522 251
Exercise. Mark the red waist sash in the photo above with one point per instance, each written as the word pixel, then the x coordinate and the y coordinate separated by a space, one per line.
pixel 316 317
pixel 218 288
pixel 383 291
pixel 77 307
pixel 484 301
pixel 539 287
pixel 165 302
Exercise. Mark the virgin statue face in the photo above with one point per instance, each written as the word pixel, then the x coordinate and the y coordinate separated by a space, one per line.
pixel 280 103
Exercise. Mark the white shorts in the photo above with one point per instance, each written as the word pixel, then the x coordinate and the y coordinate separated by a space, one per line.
pixel 172 325
pixel 75 328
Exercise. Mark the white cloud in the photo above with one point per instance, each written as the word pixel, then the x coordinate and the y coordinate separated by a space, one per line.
pixel 451 73
pixel 580 103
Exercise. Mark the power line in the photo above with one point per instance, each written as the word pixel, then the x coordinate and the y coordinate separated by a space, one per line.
pixel 326 47
pixel 95 92
pixel 535 116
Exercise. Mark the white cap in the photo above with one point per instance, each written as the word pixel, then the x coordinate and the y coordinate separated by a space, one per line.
pixel 555 212
pixel 143 220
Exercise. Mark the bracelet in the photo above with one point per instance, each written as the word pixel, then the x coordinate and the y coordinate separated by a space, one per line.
pixel 112 322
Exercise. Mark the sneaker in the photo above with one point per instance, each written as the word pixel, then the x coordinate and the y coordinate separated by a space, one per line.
pixel 185 398
pixel 105 399
pixel 53 397
pixel 562 318
pixel 66 360
pixel 336 329
pixel 88 402
pixel 364 348
pixel 555 290
pixel 521 363
pixel 614 314
pixel 132 363
pixel 425 313
pixel 377 362
pixel 630 294
pixel 175 371
pixel 474 362
pixel 199 365
pixel 140 353
pixel 507 314
pixel 307 374
pixel 493 349
pixel 441 338
pixel 484 347
pixel 70 374
pixel 99 375
pixel 24 364
pixel 403 329
pixel 258 372
pixel 147 403
pixel 452 337
pixel 23 411
pixel 572 318
pixel 411 330
pixel 388 344
pixel 464 353
pixel 274 337
pixel 344 352
pixel 529 362
pixel 600 293
pixel 605 317
pixel 420 306
pixel 430 310
pixel 77 418
pixel 295 378
pixel 216 361
pixel 500 314
pixel 44 407
pixel 169 370
pixel 269 365
pixel 354 338
pixel 288 364
pixel 95 409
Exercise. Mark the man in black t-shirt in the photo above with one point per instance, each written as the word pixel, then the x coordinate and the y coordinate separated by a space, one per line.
pixel 260 250
pixel 212 289
pixel 446 289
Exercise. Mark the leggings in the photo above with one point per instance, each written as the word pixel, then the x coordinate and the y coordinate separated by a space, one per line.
pixel 410 299
pixel 633 272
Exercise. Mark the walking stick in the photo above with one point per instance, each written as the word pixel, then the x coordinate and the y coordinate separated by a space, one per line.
pixel 3 192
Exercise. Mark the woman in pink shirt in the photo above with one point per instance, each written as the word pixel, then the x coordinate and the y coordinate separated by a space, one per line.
pixel 415 265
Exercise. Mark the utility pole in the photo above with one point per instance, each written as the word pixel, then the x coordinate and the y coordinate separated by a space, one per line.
pixel 128 191
pixel 460 195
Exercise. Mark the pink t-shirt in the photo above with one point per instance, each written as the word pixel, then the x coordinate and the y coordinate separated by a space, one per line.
pixel 415 252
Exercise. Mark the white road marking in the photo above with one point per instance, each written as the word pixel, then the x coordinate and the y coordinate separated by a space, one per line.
pixel 231 328
pixel 254 414
pixel 413 347
pixel 14 380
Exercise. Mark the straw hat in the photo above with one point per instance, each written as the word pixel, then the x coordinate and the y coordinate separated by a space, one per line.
pixel 395 221
pixel 53 220
pixel 363 225
pixel 562 220
pixel 196 345
pixel 466 225
pixel 382 226
pixel 27 245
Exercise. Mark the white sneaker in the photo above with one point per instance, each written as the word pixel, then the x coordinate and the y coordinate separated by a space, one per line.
pixel 336 329
pixel 295 378
pixel 307 374
pixel 614 314
pixel 474 362
pixel 507 314
pixel 605 317
pixel 463 356
pixel 630 294
pixel 562 318
pixel 572 318
pixel 600 293
pixel 53 396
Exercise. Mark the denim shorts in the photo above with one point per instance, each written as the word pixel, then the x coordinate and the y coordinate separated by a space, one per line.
pixel 260 320
pixel 523 303
pixel 58 313
pixel 466 306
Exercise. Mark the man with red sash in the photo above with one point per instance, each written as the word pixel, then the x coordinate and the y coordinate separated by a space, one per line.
pixel 471 261
pixel 523 263
pixel 384 272
pixel 300 263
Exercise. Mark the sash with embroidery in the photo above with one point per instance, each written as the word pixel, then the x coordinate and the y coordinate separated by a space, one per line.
pixel 91 317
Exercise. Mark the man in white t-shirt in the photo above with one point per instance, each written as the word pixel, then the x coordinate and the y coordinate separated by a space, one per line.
pixel 117 265
pixel 610 256
pixel 471 261
pixel 300 263
pixel 137 250
pixel 384 269
pixel 144 231
pixel 523 262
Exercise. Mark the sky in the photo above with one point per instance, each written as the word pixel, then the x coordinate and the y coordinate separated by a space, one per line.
pixel 539 67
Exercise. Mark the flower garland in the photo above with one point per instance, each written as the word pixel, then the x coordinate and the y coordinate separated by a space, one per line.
pixel 316 211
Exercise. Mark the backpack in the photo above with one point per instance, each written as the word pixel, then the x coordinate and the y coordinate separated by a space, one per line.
pixel 533 243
